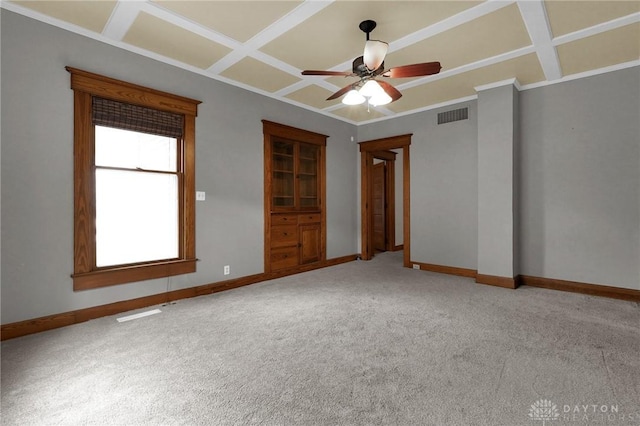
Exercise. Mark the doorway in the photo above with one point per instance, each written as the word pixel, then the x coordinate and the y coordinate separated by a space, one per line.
pixel 384 201
pixel 371 234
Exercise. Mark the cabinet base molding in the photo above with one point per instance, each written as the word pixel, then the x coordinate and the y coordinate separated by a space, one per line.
pixel 584 288
pixel 49 322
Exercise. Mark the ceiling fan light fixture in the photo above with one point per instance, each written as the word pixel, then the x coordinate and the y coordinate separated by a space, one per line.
pixel 353 97
pixel 374 53
pixel 371 88
pixel 380 99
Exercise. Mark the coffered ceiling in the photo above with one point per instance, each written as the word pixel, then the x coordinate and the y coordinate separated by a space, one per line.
pixel 263 46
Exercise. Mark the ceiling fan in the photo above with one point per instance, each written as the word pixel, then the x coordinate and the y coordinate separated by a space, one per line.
pixel 368 68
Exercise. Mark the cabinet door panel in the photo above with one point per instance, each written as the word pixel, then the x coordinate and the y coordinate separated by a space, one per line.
pixel 309 243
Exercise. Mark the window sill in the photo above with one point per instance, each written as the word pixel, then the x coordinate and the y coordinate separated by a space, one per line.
pixel 127 274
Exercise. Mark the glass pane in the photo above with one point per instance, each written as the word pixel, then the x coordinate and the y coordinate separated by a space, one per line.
pixel 136 217
pixel 308 202
pixel 127 149
pixel 284 148
pixel 308 167
pixel 308 151
pixel 282 163
pixel 282 189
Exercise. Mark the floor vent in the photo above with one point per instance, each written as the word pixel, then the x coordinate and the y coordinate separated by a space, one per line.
pixel 453 115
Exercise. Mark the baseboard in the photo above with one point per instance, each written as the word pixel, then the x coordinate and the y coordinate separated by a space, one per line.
pixel 505 282
pixel 449 270
pixel 49 322
pixel 398 247
pixel 584 288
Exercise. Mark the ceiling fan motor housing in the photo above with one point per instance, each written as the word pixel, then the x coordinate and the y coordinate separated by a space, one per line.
pixel 361 70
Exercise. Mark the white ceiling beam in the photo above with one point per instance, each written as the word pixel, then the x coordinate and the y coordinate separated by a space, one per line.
pixel 535 19
pixel 597 29
pixel 449 23
pixel 160 12
pixel 469 67
pixel 121 19
pixel 273 31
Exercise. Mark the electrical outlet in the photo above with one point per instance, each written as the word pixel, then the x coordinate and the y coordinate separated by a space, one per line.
pixel 416 266
pixel 227 270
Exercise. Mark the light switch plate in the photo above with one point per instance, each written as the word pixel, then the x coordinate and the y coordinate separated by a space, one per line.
pixel 200 195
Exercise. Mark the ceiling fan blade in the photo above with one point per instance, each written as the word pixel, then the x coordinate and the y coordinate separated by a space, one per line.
pixel 414 70
pixel 390 90
pixel 340 92
pixel 316 72
pixel 374 53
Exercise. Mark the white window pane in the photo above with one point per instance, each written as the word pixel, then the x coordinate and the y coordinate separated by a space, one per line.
pixel 127 149
pixel 136 217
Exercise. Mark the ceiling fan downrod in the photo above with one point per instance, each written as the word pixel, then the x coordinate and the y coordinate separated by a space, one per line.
pixel 367 26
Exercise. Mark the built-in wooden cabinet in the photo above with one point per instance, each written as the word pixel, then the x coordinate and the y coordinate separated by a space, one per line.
pixel 295 216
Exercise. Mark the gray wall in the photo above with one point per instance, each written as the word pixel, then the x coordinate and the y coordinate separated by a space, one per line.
pixel 580 180
pixel 37 169
pixel 577 175
pixel 495 181
pixel 444 174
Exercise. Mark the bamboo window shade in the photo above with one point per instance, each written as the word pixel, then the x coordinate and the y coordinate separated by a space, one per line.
pixel 136 118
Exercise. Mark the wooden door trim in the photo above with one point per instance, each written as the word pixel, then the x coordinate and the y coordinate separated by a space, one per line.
pixel 367 154
pixel 385 210
pixel 389 158
pixel 390 204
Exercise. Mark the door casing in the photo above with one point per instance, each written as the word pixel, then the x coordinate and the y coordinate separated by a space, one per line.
pixel 368 149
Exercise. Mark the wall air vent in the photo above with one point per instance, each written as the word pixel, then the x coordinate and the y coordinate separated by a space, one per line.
pixel 453 115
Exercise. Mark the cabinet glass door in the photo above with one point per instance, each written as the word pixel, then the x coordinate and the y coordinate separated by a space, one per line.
pixel 282 179
pixel 308 175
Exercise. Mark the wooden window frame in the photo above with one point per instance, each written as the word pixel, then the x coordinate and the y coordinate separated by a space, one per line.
pixel 86 275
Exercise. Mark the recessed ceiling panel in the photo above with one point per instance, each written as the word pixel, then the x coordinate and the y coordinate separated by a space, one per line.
pixel 332 36
pixel 92 15
pixel 601 50
pixel 156 35
pixel 239 20
pixel 314 96
pixel 525 68
pixel 568 16
pixel 258 74
pixel 358 113
pixel 495 33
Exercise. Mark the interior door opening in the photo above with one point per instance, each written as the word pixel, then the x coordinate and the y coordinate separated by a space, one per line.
pixel 377 219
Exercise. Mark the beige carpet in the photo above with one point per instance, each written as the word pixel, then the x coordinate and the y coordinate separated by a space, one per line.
pixel 357 344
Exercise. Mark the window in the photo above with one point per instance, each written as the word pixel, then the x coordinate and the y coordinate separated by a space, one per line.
pixel 134 182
